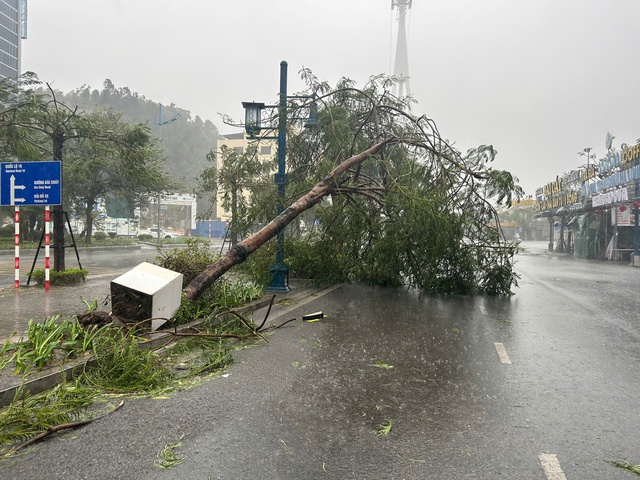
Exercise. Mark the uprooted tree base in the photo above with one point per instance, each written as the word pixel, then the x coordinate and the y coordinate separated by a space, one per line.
pixel 98 318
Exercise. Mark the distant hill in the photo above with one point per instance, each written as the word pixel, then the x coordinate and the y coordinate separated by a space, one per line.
pixel 186 140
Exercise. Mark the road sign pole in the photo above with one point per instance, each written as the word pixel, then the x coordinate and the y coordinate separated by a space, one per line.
pixel 47 223
pixel 16 221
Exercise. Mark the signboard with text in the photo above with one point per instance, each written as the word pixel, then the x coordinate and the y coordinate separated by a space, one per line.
pixel 30 183
pixel 624 218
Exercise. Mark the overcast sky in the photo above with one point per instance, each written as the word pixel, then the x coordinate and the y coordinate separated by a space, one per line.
pixel 538 79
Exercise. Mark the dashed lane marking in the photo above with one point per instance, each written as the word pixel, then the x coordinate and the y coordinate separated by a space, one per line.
pixel 551 466
pixel 483 309
pixel 502 353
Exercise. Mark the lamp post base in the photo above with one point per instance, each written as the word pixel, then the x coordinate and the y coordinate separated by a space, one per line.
pixel 279 278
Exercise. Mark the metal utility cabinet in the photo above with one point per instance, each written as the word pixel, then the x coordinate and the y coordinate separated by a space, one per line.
pixel 146 292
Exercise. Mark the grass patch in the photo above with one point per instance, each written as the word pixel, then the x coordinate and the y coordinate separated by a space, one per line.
pixel 50 342
pixel 9 244
pixel 108 242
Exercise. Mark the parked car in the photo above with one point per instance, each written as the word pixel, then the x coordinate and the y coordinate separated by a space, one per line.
pixel 153 231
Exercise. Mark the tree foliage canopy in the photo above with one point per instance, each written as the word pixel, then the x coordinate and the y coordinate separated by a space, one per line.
pixel 395 203
pixel 419 213
pixel 128 167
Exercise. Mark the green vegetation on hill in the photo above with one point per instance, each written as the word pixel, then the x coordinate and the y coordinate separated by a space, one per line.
pixel 186 141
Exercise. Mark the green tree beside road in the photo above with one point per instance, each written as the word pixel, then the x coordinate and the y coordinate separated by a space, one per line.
pixel 128 169
pixel 238 182
pixel 35 125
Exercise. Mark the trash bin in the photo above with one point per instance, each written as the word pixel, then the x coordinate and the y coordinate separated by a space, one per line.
pixel 146 292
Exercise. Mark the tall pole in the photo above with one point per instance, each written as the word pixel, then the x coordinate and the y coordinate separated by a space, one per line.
pixel 636 228
pixel 160 123
pixel 401 65
pixel 58 210
pixel 279 271
pixel 160 136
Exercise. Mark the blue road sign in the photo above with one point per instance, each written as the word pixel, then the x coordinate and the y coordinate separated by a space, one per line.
pixel 30 183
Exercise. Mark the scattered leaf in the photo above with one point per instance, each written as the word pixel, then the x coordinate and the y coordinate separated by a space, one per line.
pixel 626 466
pixel 386 366
pixel 167 458
pixel 385 428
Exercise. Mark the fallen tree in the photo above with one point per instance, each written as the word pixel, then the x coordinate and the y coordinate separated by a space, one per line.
pixel 388 171
pixel 242 250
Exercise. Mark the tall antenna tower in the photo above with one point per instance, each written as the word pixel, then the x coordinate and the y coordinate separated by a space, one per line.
pixel 401 66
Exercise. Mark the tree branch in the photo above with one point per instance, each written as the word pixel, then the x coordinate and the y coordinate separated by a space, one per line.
pixel 64 426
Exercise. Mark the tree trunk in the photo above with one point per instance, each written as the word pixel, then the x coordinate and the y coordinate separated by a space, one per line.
pixel 233 225
pixel 58 212
pixel 242 250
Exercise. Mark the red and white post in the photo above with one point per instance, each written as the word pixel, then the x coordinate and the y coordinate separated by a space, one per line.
pixel 47 238
pixel 16 221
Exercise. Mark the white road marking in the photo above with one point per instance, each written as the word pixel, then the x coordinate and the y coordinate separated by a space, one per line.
pixel 483 309
pixel 551 466
pixel 502 353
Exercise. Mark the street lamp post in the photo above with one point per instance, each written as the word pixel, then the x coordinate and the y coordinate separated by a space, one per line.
pixel 253 114
pixel 160 123
pixel 279 271
pixel 586 152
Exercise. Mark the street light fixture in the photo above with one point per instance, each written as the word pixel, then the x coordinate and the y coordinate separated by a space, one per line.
pixel 586 152
pixel 253 125
pixel 253 117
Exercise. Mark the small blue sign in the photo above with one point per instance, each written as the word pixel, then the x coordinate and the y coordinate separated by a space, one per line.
pixel 30 183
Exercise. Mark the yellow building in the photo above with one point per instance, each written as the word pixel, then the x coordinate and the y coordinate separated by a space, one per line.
pixel 239 142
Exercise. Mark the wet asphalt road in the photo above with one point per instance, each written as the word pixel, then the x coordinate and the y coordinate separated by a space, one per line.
pixel 480 388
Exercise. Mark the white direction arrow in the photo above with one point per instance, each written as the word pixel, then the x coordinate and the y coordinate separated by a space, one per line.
pixel 13 187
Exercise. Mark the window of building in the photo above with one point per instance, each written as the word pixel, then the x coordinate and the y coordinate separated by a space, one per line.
pixel 238 149
pixel 265 150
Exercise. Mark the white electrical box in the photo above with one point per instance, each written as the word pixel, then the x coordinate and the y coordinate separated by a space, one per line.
pixel 146 292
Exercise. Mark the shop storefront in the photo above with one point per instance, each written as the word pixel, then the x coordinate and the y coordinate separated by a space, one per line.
pixel 593 211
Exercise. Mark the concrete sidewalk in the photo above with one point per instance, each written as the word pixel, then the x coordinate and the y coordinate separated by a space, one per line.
pixel 19 305
pixel 34 302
